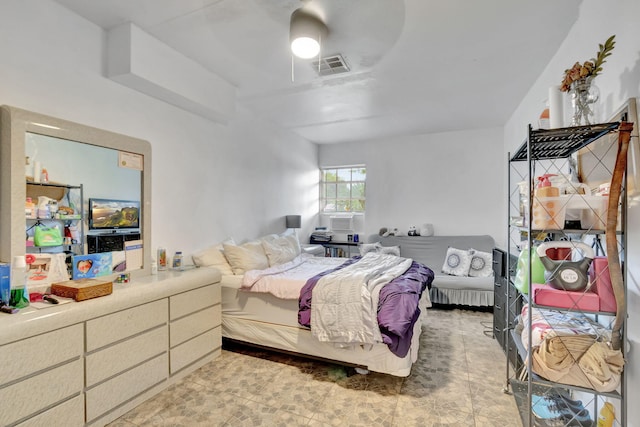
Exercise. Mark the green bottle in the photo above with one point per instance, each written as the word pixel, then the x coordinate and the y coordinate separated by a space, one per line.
pixel 19 294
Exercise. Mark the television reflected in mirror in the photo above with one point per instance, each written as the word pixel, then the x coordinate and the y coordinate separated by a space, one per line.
pixel 111 215
pixel 108 165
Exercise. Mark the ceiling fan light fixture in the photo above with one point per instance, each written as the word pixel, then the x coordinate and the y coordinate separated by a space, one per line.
pixel 305 47
pixel 305 34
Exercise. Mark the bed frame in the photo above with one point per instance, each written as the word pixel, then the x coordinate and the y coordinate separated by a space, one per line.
pixel 267 321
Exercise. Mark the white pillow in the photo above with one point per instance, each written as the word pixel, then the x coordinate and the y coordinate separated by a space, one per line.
pixel 288 232
pixel 281 250
pixel 268 237
pixel 293 239
pixel 369 247
pixel 213 257
pixel 457 262
pixel 481 264
pixel 391 250
pixel 245 257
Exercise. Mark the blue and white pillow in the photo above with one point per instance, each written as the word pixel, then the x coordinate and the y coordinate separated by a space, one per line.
pixel 457 262
pixel 481 264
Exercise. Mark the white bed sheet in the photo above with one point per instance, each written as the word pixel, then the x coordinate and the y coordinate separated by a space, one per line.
pixel 265 320
pixel 286 280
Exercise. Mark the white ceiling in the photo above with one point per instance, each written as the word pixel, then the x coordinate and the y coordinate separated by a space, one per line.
pixel 417 66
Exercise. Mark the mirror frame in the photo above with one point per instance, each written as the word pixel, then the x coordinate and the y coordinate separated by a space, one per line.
pixel 14 124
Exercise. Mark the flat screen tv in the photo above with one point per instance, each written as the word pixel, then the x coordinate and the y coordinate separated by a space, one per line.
pixel 112 215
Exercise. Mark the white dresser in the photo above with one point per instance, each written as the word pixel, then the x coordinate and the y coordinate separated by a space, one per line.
pixel 92 361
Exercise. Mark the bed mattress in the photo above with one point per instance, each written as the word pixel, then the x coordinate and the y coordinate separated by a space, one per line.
pixel 258 307
pixel 263 319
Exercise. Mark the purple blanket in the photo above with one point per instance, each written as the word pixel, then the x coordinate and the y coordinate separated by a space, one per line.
pixel 398 308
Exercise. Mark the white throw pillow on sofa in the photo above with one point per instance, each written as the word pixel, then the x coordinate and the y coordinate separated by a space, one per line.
pixel 457 262
pixel 481 264
pixel 213 257
pixel 245 257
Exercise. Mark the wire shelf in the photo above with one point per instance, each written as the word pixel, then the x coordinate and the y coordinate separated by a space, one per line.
pixel 549 144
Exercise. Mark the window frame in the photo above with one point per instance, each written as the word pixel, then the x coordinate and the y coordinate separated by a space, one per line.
pixel 338 200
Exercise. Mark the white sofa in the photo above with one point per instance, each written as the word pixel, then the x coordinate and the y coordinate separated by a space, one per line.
pixel 431 251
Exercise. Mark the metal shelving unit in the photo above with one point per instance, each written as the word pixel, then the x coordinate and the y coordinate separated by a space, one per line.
pixel 543 149
pixel 49 190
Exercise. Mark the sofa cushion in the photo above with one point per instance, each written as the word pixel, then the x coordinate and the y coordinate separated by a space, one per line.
pixel 431 250
pixel 447 281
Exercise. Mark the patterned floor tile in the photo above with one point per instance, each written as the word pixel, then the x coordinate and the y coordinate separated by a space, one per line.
pixel 355 406
pixel 431 411
pixel 456 381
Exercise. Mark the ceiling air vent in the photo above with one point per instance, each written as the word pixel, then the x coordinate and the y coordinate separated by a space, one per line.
pixel 330 65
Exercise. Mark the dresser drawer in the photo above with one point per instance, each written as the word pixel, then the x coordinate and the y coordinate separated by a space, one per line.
pixel 125 386
pixel 123 324
pixel 67 414
pixel 119 357
pixel 190 326
pixel 194 349
pixel 192 301
pixel 37 353
pixel 33 394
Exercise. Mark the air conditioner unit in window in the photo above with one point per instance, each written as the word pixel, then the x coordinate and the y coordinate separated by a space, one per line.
pixel 341 224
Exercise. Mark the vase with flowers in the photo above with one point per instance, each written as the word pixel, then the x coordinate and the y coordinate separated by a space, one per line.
pixel 578 82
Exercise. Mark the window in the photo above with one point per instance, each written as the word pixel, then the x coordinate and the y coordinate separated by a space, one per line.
pixel 342 189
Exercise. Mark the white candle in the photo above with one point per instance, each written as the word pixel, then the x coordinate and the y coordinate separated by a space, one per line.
pixel 556 110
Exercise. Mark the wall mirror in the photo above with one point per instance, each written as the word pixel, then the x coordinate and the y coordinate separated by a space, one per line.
pixel 107 165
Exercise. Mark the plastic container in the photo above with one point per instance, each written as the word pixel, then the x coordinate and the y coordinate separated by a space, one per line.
pixel 30 209
pixel 162 259
pixel 5 282
pixel 594 217
pixel 19 294
pixel 177 260
pixel 549 213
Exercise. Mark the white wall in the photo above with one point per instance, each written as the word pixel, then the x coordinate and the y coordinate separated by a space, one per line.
pixel 210 181
pixel 447 179
pixel 619 81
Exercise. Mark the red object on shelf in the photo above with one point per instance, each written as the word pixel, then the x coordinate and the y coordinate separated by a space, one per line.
pixel 601 283
pixel 579 300
pixel 559 254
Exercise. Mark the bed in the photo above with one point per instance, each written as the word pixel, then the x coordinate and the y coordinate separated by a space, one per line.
pixel 268 315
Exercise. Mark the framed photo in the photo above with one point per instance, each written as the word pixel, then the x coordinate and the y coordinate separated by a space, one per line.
pixel 92 265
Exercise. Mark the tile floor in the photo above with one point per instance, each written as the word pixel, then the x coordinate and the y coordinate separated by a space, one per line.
pixel 457 381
